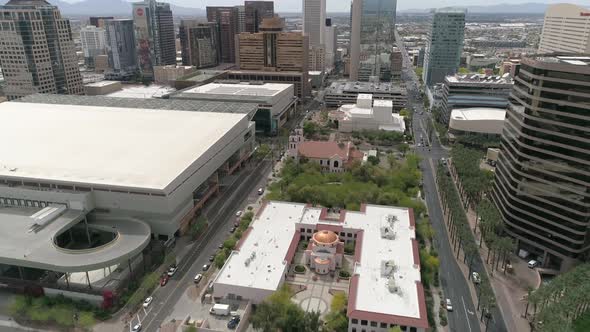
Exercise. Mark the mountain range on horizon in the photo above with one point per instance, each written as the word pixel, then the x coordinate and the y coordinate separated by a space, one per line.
pixel 123 8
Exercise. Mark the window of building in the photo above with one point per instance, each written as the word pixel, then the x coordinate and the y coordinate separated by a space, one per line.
pixel 373 324
pixel 355 321
pixel 383 325
pixel 364 322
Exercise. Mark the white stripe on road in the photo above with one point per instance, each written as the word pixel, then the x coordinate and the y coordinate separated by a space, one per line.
pixel 466 316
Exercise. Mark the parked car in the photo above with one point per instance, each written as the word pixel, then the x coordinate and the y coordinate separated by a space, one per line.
pixel 172 271
pixel 211 258
pixel 475 277
pixel 239 213
pixel 533 264
pixel 260 191
pixel 136 328
pixel 233 322
pixel 233 229
pixel 164 280
pixel 147 302
pixel 448 305
pixel 206 267
pixel 198 278
pixel 237 224
pixel 220 246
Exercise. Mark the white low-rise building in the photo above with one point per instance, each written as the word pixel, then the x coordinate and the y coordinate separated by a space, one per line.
pixel 476 121
pixel 369 114
pixel 385 288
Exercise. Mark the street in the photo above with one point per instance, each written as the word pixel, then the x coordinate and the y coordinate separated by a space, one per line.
pixel 454 283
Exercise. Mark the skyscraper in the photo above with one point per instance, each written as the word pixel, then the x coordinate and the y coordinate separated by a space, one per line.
pixel 444 46
pixel 542 178
pixel 155 38
pixel 330 42
pixel 198 43
pixel 566 28
pixel 37 51
pixel 372 37
pixel 241 18
pixel 93 43
pixel 121 49
pixel 227 21
pixel 98 21
pixel 314 22
pixel 255 12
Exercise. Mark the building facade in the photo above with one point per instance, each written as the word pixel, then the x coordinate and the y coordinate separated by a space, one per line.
pixel 314 18
pixel 566 29
pixel 155 39
pixel 341 93
pixel 255 12
pixel 227 21
pixel 330 43
pixel 542 179
pixel 198 43
pixel 474 90
pixel 396 60
pixel 444 46
pixel 93 43
pixel 273 50
pixel 122 56
pixel 372 36
pixel 98 21
pixel 37 53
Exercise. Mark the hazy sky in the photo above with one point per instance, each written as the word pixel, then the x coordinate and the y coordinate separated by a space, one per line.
pixel 344 5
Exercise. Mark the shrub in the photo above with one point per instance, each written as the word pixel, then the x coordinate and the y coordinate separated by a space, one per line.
pixel 349 248
pixel 230 243
pixel 220 259
pixel 299 269
pixel 344 274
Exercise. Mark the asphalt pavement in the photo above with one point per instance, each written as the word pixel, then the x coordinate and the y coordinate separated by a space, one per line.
pixel 454 283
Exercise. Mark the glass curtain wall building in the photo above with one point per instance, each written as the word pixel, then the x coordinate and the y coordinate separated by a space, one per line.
pixel 542 186
pixel 372 39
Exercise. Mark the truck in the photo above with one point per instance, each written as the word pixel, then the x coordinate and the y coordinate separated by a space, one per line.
pixel 220 309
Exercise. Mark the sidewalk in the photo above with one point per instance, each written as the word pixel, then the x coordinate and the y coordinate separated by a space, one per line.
pixel 510 289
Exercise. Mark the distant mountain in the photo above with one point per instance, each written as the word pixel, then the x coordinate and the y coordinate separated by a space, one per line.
pixel 112 8
pixel 504 8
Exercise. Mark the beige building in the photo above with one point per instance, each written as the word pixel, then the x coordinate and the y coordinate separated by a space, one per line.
pixel 566 29
pixel 272 50
pixel 168 74
pixel 37 53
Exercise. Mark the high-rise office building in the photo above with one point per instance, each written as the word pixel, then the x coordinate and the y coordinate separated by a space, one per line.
pixel 155 40
pixel 372 36
pixel 93 43
pixel 241 18
pixel 120 46
pixel 255 12
pixel 37 52
pixel 98 21
pixel 444 46
pixel 396 61
pixel 314 22
pixel 542 178
pixel 566 29
pixel 272 50
pixel 330 42
pixel 198 44
pixel 227 21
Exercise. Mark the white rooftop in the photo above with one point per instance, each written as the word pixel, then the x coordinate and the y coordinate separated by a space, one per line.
pixel 479 113
pixel 266 89
pixel 138 148
pixel 141 91
pixel 102 83
pixel 273 231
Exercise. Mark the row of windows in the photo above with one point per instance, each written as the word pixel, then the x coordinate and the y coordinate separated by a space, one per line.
pixel 382 325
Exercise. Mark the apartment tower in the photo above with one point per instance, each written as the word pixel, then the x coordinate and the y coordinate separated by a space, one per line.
pixel 566 29
pixel 444 46
pixel 227 22
pixel 198 42
pixel 37 53
pixel 155 40
pixel 543 171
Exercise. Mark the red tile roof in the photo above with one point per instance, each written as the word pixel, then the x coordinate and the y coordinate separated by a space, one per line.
pixel 326 150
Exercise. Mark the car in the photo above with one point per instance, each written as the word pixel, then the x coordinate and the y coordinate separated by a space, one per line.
pixel 206 267
pixel 198 278
pixel 475 277
pixel 233 229
pixel 260 191
pixel 211 258
pixel 533 264
pixel 233 322
pixel 136 327
pixel 443 161
pixel 237 224
pixel 172 271
pixel 147 302
pixel 220 246
pixel 448 305
pixel 164 280
pixel 239 213
pixel 419 145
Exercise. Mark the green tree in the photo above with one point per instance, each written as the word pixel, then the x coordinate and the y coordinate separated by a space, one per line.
pixel 310 129
pixel 262 151
pixel 464 71
pixel 220 259
pixel 403 148
pixel 339 301
pixel 374 160
pixel 395 329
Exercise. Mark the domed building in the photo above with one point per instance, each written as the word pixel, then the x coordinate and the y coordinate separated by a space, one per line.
pixel 324 252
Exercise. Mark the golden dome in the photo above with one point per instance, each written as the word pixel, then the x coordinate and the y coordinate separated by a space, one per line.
pixel 325 237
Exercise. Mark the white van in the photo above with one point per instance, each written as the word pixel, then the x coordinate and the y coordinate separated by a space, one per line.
pixel 533 264
pixel 220 309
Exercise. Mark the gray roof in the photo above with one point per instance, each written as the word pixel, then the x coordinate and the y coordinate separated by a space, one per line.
pixel 364 87
pixel 150 103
